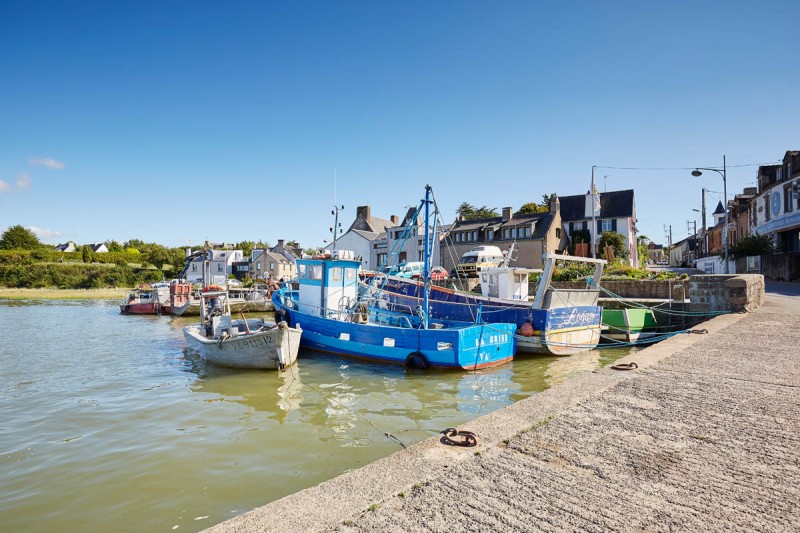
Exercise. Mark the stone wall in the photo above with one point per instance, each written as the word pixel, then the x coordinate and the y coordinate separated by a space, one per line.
pixel 636 288
pixel 726 292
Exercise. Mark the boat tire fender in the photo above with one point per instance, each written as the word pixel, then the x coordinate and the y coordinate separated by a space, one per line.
pixel 417 360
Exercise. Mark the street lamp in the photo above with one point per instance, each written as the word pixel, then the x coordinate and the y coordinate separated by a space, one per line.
pixel 724 173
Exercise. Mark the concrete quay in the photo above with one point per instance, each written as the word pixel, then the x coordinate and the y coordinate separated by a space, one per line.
pixel 704 435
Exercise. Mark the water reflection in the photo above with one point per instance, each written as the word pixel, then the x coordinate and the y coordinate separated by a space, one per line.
pixel 155 437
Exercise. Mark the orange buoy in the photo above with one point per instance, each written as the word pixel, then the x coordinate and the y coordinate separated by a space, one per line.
pixel 526 329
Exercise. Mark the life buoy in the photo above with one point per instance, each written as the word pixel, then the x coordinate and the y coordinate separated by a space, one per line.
pixel 417 360
pixel 212 288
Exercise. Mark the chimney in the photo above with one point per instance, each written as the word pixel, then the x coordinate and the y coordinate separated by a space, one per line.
pixel 555 206
pixel 395 220
pixel 280 243
pixel 363 212
pixel 507 214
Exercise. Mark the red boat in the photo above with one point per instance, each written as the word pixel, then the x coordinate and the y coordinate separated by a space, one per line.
pixel 142 301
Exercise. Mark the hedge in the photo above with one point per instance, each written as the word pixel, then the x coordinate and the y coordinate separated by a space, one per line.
pixel 74 276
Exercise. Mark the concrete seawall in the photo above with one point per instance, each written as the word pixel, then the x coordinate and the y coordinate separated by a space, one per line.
pixel 703 435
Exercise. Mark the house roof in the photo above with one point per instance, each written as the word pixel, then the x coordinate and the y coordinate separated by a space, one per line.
pixel 542 221
pixel 366 222
pixel 369 235
pixel 613 204
pixel 96 245
pixel 719 210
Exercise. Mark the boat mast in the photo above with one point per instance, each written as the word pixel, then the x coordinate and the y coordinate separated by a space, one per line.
pixel 427 255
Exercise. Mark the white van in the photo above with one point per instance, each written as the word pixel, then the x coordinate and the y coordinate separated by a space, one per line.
pixel 478 259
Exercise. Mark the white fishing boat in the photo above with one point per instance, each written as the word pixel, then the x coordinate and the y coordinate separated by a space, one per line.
pixel 245 343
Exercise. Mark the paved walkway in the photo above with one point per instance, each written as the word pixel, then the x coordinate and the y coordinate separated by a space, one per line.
pixel 705 435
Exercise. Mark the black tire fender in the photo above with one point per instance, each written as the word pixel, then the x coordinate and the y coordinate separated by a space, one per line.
pixel 417 360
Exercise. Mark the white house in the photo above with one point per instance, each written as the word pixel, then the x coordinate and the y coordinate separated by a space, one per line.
pixel 362 234
pixel 68 246
pixel 617 213
pixel 220 266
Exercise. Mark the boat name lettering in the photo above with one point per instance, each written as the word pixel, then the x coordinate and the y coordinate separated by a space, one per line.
pixel 253 342
pixel 578 318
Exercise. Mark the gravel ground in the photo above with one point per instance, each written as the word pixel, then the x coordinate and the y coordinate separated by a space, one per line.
pixel 705 435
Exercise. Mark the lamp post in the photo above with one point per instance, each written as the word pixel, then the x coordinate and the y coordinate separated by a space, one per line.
pixel 724 173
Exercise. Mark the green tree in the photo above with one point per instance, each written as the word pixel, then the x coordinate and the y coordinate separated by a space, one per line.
pixel 246 247
pixel 465 211
pixel 157 256
pixel 752 245
pixel 135 243
pixel 547 199
pixel 531 208
pixel 19 238
pixel 114 246
pixel 579 235
pixel 615 240
pixel 470 212
pixel 87 254
pixel 642 249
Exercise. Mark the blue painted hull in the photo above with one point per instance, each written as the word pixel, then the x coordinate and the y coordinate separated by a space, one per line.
pixel 559 331
pixel 468 347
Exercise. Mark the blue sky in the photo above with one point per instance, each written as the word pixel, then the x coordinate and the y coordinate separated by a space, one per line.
pixel 178 122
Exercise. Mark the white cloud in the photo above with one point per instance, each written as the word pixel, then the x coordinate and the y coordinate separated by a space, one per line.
pixel 48 162
pixel 23 181
pixel 4 186
pixel 45 233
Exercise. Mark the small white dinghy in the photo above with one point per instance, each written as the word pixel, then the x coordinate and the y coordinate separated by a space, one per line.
pixel 245 343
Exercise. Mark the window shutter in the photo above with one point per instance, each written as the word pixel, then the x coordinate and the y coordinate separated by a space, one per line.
pixel 614 224
pixel 571 228
pixel 585 225
pixel 599 227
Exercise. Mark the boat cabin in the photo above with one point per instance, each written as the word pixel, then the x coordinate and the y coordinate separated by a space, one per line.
pixel 327 287
pixel 506 283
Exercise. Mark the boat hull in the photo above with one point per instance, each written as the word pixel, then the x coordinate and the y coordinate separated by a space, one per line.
pixel 468 348
pixel 150 308
pixel 629 324
pixel 275 348
pixel 556 331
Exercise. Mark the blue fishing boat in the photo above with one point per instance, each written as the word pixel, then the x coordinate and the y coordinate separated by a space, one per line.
pixel 556 322
pixel 335 319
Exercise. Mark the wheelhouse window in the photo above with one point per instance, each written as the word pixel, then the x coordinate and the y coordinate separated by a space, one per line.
pixel 349 274
pixel 302 271
pixel 336 274
pixel 315 272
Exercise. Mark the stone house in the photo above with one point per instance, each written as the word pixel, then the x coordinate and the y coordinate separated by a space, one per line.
pixel 533 235
pixel 267 263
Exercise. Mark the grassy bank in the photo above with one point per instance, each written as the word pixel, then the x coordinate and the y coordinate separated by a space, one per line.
pixel 62 294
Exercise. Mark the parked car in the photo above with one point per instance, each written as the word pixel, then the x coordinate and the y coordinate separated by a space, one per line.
pixel 437 274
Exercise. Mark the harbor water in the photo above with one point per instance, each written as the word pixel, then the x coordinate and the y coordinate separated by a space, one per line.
pixel 109 424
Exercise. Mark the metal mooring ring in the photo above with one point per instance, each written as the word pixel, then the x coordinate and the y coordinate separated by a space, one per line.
pixel 454 437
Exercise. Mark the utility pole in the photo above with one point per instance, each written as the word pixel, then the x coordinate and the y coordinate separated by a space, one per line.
pixel 691 228
pixel 703 214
